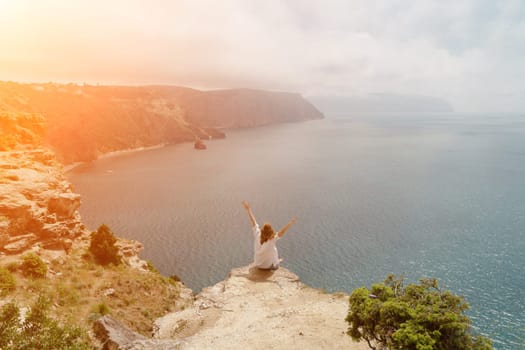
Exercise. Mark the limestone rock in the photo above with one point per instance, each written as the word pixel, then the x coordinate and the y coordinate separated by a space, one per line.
pixel 250 309
pixel 129 250
pixel 256 309
pixel 108 292
pixel 115 336
pixel 129 247
pixel 17 244
pixel 57 244
pixel 64 204
pixel 37 205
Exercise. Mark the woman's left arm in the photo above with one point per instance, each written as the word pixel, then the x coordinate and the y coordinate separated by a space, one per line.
pixel 287 226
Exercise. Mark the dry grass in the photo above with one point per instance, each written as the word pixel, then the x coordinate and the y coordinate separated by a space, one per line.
pixel 81 291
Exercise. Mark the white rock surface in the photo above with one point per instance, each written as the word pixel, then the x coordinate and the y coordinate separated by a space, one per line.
pixel 255 309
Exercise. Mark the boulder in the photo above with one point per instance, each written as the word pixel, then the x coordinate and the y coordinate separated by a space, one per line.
pixel 15 213
pixel 20 243
pixel 115 336
pixel 57 244
pixel 64 204
pixel 128 247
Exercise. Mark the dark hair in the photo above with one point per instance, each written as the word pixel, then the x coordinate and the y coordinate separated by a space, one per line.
pixel 267 233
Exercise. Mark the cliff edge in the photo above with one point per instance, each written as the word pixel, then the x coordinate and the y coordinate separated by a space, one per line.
pixel 250 309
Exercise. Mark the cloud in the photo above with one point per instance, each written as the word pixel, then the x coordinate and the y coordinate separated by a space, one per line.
pixel 466 51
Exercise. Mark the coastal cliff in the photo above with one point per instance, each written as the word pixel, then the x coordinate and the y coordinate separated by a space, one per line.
pixel 83 122
pixel 37 204
pixel 131 304
pixel 41 228
pixel 241 108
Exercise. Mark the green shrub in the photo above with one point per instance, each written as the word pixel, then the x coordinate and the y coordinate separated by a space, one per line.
pixel 103 246
pixel 38 330
pixel 7 281
pixel 415 317
pixel 67 295
pixel 98 311
pixel 33 266
pixel 9 324
pixel 152 267
pixel 175 278
pixel 36 286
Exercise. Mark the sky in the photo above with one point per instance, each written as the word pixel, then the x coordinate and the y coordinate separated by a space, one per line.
pixel 468 52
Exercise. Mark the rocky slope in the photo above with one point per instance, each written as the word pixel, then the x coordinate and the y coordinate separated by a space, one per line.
pixel 37 204
pixel 39 214
pixel 84 121
pixel 251 309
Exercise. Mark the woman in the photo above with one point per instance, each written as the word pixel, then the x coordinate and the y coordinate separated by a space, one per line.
pixel 266 256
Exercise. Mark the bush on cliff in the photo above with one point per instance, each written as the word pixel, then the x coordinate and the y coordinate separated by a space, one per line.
pixel 38 330
pixel 7 281
pixel 33 266
pixel 413 317
pixel 103 246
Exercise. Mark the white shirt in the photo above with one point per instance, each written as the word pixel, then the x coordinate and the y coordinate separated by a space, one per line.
pixel 264 255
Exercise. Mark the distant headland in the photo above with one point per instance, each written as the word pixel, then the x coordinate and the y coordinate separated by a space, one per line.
pixel 83 122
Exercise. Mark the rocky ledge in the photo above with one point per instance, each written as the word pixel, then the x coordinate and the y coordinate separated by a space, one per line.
pixel 37 204
pixel 39 210
pixel 250 309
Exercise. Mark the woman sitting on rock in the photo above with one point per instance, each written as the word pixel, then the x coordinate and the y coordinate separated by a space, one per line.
pixel 265 255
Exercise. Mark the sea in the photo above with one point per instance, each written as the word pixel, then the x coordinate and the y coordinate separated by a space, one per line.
pixel 417 195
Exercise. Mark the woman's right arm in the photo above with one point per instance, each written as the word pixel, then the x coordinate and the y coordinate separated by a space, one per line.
pixel 249 210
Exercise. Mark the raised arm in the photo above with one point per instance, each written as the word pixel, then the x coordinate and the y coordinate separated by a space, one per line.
pixel 287 226
pixel 249 210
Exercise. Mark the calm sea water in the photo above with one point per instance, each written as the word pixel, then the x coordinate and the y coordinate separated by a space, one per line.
pixel 421 195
